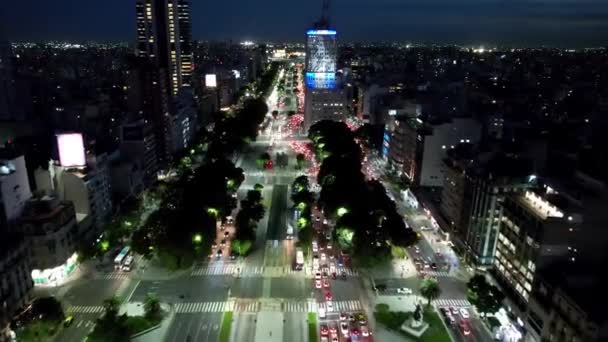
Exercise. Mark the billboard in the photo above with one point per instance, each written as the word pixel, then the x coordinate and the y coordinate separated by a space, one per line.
pixel 210 81
pixel 71 150
pixel 321 51
pixel 320 80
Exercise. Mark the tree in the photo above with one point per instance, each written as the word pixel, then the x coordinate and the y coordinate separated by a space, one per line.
pixel 486 297
pixel 430 289
pixel 263 160
pixel 152 307
pixel 48 308
pixel 241 247
pixel 300 161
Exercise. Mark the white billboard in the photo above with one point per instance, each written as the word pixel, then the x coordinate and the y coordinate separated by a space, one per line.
pixel 71 150
pixel 210 81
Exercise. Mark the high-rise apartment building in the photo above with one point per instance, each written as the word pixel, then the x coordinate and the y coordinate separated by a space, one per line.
pixel 164 34
pixel 324 99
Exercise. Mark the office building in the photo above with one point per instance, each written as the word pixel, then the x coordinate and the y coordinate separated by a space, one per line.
pixel 471 197
pixel 164 35
pixel 15 279
pixel 138 144
pixel 50 228
pixel 443 136
pixel 324 98
pixel 149 102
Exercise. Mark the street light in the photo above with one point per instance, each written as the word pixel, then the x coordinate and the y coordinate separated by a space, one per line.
pixel 341 211
pixel 197 239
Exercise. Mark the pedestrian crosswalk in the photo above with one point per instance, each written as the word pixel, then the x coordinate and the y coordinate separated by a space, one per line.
pixel 247 271
pixel 348 271
pixel 436 273
pixel 452 302
pixel 85 309
pixel 115 275
pixel 256 306
pixel 201 307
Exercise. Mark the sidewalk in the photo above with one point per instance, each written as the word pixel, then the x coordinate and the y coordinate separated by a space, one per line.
pixel 159 333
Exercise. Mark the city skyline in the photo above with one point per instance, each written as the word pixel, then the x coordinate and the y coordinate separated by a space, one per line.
pixel 561 23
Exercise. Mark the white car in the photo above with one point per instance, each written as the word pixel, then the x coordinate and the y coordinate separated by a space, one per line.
pixel 323 258
pixel 318 275
pixel 318 284
pixel 404 290
pixel 464 313
pixel 330 306
pixel 364 330
pixel 344 329
pixel 315 247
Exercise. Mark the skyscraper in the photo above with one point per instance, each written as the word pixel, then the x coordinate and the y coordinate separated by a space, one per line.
pixel 164 34
pixel 324 99
pixel 164 45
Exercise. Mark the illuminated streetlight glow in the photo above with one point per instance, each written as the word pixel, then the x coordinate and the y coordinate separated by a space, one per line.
pixel 341 211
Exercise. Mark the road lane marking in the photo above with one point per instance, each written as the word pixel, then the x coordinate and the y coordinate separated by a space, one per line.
pixel 133 291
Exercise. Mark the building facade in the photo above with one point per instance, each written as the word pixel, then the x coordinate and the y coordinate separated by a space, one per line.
pixel 14 187
pixel 324 98
pixel 52 232
pixel 15 279
pixel 7 81
pixel 138 144
pixel 164 34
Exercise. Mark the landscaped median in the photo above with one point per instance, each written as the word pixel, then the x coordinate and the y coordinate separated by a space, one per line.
pixel 226 326
pixel 393 320
pixel 312 327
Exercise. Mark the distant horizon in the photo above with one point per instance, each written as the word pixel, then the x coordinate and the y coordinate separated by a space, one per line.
pixel 530 23
pixel 488 46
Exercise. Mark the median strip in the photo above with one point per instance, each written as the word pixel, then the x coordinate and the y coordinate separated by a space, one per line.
pixel 226 326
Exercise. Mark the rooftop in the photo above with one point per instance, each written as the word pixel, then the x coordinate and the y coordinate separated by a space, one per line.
pixel 539 205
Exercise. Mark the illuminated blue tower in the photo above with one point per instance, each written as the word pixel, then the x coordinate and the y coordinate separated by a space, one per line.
pixel 323 100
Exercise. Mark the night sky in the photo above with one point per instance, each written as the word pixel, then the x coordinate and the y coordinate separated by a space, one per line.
pixel 566 23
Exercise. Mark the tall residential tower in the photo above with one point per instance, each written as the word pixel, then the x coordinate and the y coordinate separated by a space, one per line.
pixel 164 34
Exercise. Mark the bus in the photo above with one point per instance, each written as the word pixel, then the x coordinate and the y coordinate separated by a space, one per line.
pixel 120 258
pixel 299 259
pixel 128 264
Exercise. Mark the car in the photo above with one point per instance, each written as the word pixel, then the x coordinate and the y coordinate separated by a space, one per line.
pixel 328 236
pixel 324 339
pixel 330 306
pixel 333 329
pixel 464 313
pixel 351 318
pixel 321 311
pixel 355 331
pixel 324 330
pixel 450 318
pixel 318 275
pixel 426 265
pixel 325 283
pixel 361 318
pixel 453 310
pixel 229 219
pixel 444 311
pixel 417 249
pixel 233 256
pixel 344 329
pixel 318 284
pixel 328 295
pixel 434 266
pixel 329 246
pixel 68 321
pixel 219 253
pixel 334 338
pixel 318 218
pixel 315 247
pixel 342 316
pixel 464 326
pixel 223 243
pixel 364 330
pixel 404 290
pixel 323 258
pixel 226 234
pixel 214 246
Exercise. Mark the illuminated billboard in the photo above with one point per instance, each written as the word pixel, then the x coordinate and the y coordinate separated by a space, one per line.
pixel 320 80
pixel 321 51
pixel 71 150
pixel 210 81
